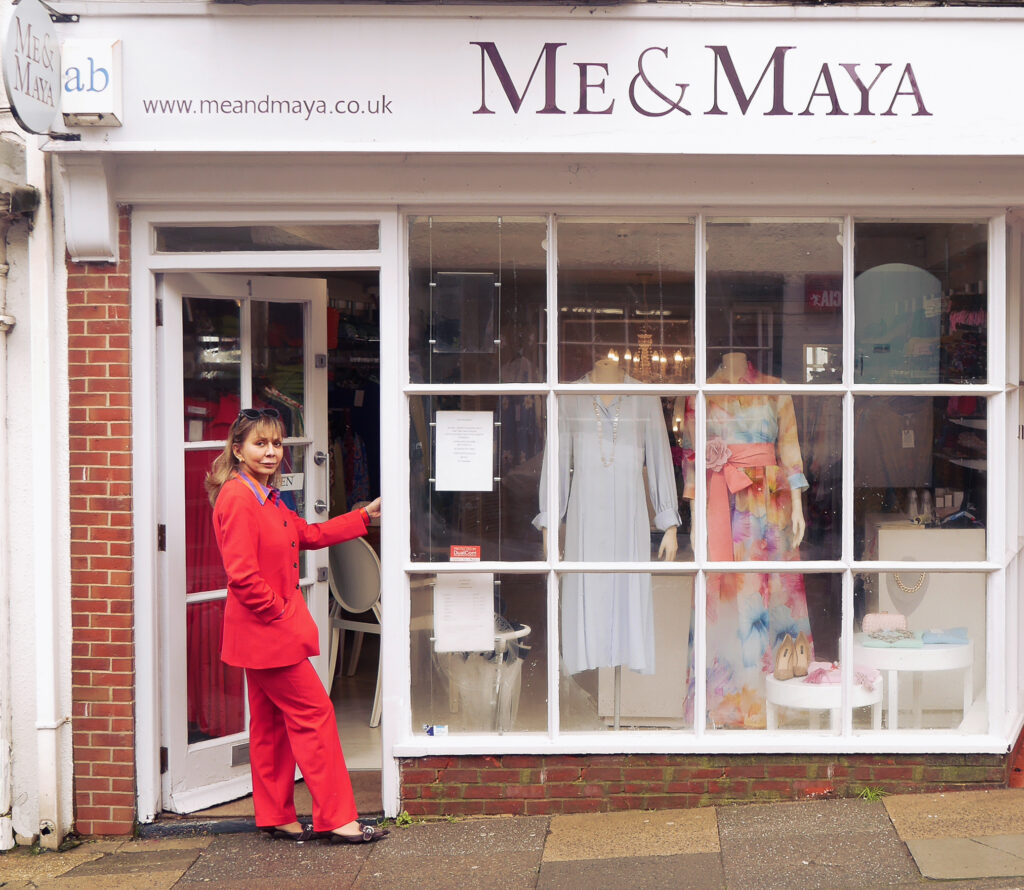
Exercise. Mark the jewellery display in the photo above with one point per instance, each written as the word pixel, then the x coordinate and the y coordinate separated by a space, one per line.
pixel 607 461
pixel 891 635
pixel 913 589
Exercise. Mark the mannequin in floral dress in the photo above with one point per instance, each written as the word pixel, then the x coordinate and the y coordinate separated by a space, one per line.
pixel 755 512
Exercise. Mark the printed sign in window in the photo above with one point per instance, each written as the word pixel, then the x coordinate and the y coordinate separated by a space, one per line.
pixel 465 451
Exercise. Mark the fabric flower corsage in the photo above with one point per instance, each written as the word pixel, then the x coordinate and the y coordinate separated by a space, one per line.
pixel 717 454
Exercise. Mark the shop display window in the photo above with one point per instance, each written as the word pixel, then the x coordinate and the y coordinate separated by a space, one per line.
pixel 772 288
pixel 699 410
pixel 921 295
pixel 920 466
pixel 497 685
pixel 619 480
pixel 477 291
pixel 476 463
pixel 774 471
pixel 923 635
pixel 625 295
pixel 773 649
pixel 624 659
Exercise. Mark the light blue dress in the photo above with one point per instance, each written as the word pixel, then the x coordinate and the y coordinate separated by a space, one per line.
pixel 608 619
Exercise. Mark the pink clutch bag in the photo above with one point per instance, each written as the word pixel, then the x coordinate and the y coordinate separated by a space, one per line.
pixel 876 621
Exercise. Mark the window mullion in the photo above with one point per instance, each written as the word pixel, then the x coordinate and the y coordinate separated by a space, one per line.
pixel 698 506
pixel 551 495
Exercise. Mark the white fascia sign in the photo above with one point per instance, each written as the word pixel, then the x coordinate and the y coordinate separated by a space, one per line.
pixel 31 66
pixel 91 90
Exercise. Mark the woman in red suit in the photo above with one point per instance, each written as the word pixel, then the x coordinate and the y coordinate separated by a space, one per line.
pixel 269 632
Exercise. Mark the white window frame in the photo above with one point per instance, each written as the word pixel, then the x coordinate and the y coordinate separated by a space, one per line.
pixel 1001 686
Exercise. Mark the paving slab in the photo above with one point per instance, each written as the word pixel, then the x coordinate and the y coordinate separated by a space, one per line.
pixel 139 863
pixel 494 836
pixel 153 880
pixel 631 834
pixel 958 814
pixel 257 859
pixel 813 845
pixel 696 871
pixel 973 884
pixel 26 864
pixel 150 845
pixel 1008 843
pixel 507 870
pixel 949 858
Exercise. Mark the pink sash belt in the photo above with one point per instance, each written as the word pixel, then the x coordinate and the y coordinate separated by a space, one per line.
pixel 725 475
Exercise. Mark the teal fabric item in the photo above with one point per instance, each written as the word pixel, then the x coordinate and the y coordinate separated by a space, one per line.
pixel 951 635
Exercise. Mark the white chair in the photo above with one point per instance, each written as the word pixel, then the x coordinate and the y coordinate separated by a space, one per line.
pixel 354 579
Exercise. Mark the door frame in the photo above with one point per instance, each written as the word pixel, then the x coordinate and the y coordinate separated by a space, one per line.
pixel 147 264
pixel 185 760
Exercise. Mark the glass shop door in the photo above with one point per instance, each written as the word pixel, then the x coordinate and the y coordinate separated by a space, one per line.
pixel 227 342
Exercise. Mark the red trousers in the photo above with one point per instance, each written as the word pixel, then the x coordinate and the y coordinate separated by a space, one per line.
pixel 291 720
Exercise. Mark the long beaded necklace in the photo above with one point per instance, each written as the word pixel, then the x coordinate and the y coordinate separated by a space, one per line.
pixel 607 461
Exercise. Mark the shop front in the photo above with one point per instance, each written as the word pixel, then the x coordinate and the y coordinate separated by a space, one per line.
pixel 683 346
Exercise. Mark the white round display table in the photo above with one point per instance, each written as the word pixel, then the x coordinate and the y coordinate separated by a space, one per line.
pixel 795 693
pixel 929 657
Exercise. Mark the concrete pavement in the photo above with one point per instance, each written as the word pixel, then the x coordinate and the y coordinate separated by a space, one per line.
pixel 970 839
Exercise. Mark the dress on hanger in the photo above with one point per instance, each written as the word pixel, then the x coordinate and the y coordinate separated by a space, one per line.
pixel 608 619
pixel 749 614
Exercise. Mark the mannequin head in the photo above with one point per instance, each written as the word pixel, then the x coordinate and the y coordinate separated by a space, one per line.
pixel 606 370
pixel 734 366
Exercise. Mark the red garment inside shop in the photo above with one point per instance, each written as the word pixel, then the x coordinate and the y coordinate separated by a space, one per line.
pixel 216 694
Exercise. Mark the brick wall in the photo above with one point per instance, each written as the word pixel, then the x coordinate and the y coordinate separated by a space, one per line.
pixel 102 654
pixel 535 785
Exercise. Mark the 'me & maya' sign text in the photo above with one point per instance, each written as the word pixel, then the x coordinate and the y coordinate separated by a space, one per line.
pixel 651 96
pixel 31 66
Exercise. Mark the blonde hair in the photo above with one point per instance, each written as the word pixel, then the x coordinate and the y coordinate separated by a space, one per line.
pixel 225 465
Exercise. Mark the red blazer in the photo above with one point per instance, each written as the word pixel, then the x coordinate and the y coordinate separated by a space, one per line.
pixel 266 621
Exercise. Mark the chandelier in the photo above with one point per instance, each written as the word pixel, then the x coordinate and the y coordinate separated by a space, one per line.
pixel 649 363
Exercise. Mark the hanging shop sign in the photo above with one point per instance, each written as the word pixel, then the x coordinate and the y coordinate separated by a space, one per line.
pixel 620 79
pixel 91 87
pixel 31 66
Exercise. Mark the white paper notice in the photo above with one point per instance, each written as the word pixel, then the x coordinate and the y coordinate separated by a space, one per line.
pixel 464 613
pixel 464 451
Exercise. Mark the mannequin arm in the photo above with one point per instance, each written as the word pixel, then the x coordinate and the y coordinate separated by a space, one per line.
pixel 799 523
pixel 669 545
pixel 544 541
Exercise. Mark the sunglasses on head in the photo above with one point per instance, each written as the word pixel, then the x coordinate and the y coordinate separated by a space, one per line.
pixel 257 413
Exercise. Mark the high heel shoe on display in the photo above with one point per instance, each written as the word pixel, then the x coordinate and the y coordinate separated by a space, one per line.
pixel 784 659
pixel 801 655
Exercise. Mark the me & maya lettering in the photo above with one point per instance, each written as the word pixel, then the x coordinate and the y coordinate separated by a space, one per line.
pixel 888 85
pixel 35 61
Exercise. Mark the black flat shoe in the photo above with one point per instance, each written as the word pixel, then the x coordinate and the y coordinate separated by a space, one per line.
pixel 368 835
pixel 306 834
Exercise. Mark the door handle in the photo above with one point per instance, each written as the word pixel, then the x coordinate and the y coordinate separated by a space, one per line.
pixel 320 505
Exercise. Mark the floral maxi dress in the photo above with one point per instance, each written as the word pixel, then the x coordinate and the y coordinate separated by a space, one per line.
pixel 749 614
